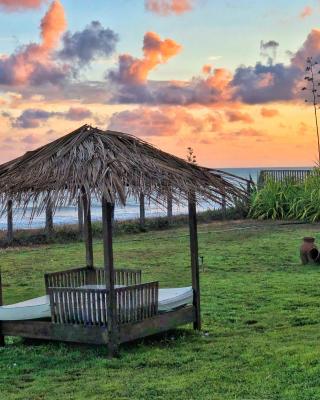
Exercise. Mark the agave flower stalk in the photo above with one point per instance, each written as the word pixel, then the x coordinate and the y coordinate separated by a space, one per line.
pixel 313 88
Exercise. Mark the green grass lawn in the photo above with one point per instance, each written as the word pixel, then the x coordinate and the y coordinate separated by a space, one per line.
pixel 260 311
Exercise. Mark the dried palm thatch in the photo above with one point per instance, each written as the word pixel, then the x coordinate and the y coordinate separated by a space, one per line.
pixel 110 164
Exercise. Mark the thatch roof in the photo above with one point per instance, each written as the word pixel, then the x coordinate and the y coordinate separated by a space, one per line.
pixel 110 164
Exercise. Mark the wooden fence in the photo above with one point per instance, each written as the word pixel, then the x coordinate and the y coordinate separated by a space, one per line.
pixel 279 175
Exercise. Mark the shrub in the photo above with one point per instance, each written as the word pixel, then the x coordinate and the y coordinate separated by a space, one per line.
pixel 288 199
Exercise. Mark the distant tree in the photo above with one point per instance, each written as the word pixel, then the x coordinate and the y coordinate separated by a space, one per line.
pixel 191 157
pixel 313 89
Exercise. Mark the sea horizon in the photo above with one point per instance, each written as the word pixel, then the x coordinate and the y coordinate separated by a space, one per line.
pixel 69 215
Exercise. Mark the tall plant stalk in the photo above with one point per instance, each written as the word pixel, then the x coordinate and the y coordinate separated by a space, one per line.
pixel 313 88
pixel 314 93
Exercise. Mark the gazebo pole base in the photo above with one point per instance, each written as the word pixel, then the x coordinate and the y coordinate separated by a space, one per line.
pixel 1 303
pixel 87 227
pixel 107 213
pixel 194 260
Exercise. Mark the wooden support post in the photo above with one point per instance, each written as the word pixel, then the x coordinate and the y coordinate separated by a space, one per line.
pixel 250 186
pixel 113 215
pixel 49 220
pixel 10 222
pixel 169 206
pixel 194 260
pixel 87 228
pixel 261 179
pixel 1 303
pixel 224 206
pixel 80 215
pixel 142 211
pixel 113 332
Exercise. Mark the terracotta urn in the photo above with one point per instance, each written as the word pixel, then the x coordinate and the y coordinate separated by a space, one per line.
pixel 307 245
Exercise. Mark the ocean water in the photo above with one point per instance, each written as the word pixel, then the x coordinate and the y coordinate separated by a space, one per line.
pixel 69 215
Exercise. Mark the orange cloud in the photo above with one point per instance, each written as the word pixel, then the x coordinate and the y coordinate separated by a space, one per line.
pixel 167 7
pixel 206 69
pixel 268 112
pixel 303 128
pixel 311 47
pixel 163 121
pixel 131 84
pixel 249 133
pixel 306 12
pixel 238 116
pixel 33 62
pixel 13 5
pixel 53 25
pixel 155 51
pixel 220 80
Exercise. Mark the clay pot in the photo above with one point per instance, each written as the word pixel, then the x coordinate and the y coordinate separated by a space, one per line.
pixel 314 255
pixel 306 247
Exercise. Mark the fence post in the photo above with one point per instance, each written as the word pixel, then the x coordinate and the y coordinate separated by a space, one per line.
pixel 49 220
pixel 1 303
pixel 142 211
pixel 9 222
pixel 250 185
pixel 194 253
pixel 87 227
pixel 223 206
pixel 260 181
pixel 80 215
pixel 112 322
pixel 169 206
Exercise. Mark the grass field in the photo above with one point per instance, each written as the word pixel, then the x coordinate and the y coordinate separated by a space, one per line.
pixel 260 310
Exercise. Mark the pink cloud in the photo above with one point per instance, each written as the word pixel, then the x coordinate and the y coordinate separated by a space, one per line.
pixel 163 121
pixel 207 69
pixel 30 139
pixel 14 5
pixel 242 133
pixel 238 116
pixel 33 63
pixel 167 7
pixel 306 12
pixel 311 47
pixel 35 117
pixel 78 113
pixel 131 84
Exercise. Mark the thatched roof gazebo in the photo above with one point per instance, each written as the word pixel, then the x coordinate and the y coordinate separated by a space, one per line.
pixel 109 166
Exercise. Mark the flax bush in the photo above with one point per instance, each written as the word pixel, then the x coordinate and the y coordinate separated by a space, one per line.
pixel 288 199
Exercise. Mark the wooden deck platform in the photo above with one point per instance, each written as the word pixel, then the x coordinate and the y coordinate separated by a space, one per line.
pixel 75 333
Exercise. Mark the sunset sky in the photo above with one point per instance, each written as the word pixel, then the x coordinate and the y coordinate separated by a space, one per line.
pixel 223 77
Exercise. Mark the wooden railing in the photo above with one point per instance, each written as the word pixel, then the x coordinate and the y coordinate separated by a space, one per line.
pixel 280 175
pixel 78 306
pixel 71 278
pixel 89 306
pixel 122 276
pixel 75 278
pixel 136 303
